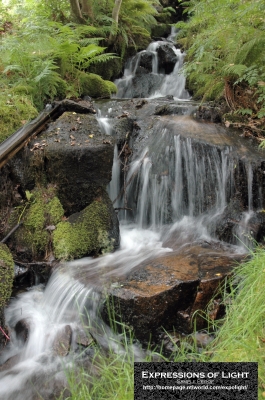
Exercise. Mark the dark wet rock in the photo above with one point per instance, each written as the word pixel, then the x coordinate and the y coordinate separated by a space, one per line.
pixel 22 330
pixel 168 291
pixel 209 113
pixel 169 109
pixel 146 61
pixel 140 103
pixel 62 342
pixel 83 338
pixel 123 128
pixel 142 85
pixel 72 154
pixel 166 59
pixel 237 220
pixel 80 106
pixel 172 342
pixel 11 362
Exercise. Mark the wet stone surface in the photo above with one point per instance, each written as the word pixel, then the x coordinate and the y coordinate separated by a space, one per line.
pixel 168 290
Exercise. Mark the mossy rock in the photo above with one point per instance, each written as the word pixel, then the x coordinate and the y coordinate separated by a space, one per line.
pixel 111 86
pixel 42 211
pixel 85 233
pixel 161 30
pixel 108 71
pixel 15 110
pixel 6 274
pixel 94 86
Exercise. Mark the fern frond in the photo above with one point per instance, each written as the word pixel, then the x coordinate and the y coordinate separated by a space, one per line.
pixel 234 70
pixel 98 59
pixel 251 50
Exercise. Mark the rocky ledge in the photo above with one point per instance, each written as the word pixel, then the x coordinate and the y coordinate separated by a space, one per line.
pixel 169 291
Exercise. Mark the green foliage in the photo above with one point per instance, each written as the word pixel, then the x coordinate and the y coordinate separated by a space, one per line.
pixel 225 41
pixel 15 110
pixel 241 337
pixel 136 19
pixel 6 274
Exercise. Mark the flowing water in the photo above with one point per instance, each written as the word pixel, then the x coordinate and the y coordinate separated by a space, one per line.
pixel 174 187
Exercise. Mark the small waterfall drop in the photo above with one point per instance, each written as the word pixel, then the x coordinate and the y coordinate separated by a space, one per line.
pixel 144 74
pixel 114 185
pixel 176 177
pixel 104 122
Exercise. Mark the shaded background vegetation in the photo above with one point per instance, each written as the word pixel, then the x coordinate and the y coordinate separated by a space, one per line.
pixel 224 41
pixel 49 50
pixel 52 50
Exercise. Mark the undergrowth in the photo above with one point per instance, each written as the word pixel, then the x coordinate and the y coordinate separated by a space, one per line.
pixel 224 41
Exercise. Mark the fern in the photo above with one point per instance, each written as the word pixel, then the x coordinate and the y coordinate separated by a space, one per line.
pixel 234 70
pixel 225 42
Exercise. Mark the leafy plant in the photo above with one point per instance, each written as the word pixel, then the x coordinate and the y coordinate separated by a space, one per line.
pixel 225 41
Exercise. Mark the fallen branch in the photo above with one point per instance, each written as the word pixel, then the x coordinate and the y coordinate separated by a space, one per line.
pixel 11 232
pixel 8 338
pixel 37 263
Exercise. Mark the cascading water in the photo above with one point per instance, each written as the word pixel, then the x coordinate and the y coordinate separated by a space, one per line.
pixel 175 187
pixel 144 75
pixel 170 181
pixel 104 122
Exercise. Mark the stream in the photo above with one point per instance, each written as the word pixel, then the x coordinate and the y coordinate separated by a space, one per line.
pixel 174 194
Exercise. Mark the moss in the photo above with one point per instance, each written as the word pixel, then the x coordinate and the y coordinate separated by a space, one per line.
pixel 61 88
pixel 93 85
pixel 86 232
pixel 14 111
pixel 109 71
pixel 6 274
pixel 43 210
pixel 112 87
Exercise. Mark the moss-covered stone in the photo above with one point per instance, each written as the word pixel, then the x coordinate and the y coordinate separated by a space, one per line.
pixel 109 71
pixel 6 274
pixel 84 233
pixel 44 209
pixel 15 110
pixel 93 85
pixel 112 87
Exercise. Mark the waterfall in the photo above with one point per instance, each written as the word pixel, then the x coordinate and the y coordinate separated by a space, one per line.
pixel 174 192
pixel 114 185
pixel 143 78
pixel 104 122
pixel 176 177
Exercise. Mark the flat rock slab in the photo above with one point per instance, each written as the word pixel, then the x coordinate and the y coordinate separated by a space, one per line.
pixel 167 291
pixel 73 154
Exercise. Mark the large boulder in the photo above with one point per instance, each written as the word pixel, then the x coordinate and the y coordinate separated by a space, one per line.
pixel 64 173
pixel 93 230
pixel 167 58
pixel 73 154
pixel 167 292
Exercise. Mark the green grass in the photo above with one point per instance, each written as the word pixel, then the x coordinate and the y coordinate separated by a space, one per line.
pixel 242 336
pixel 110 377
